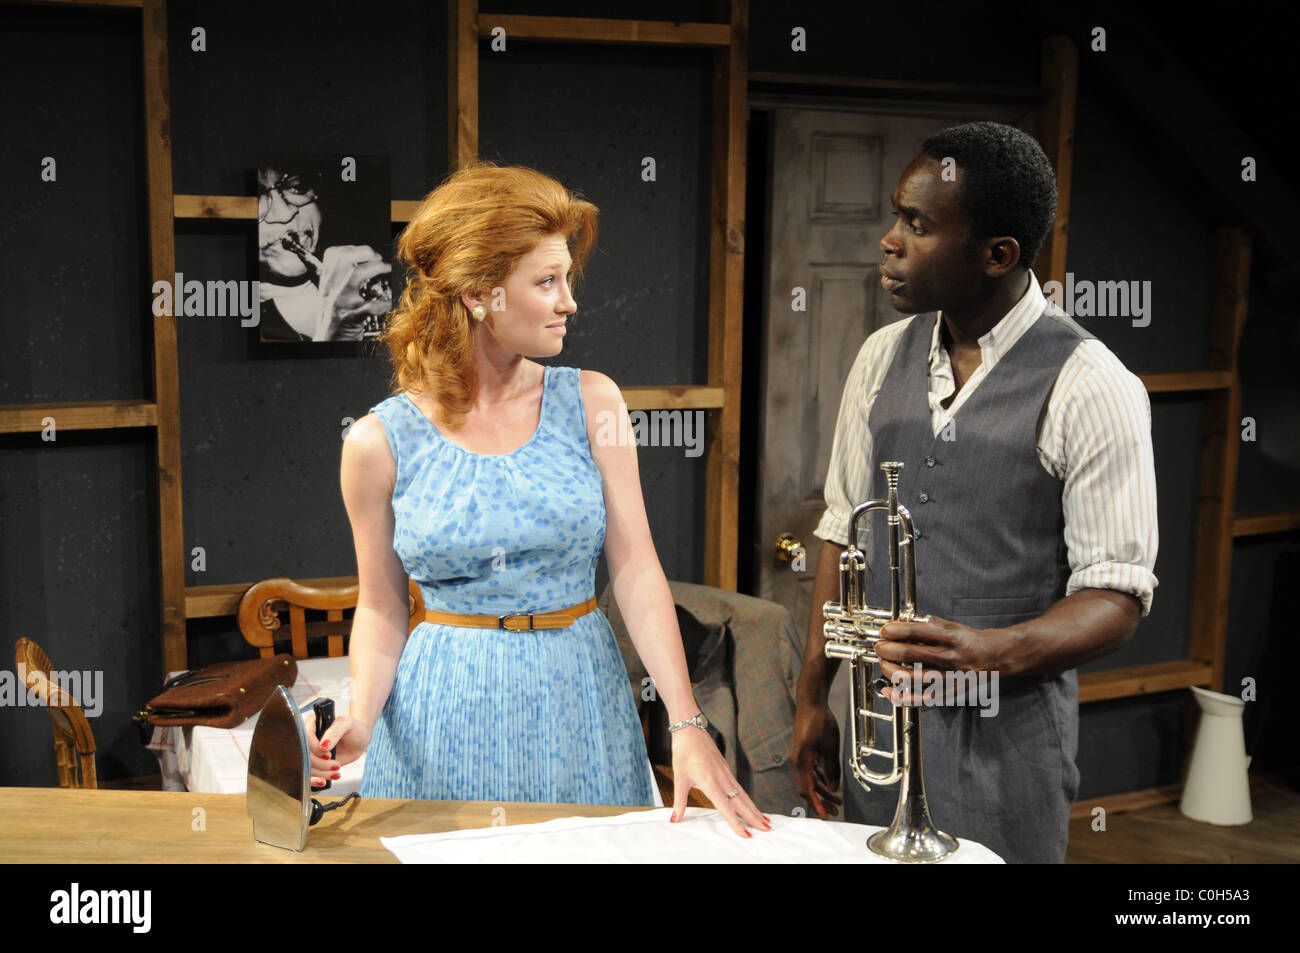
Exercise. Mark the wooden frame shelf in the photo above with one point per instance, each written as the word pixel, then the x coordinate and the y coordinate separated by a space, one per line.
pixel 1186 382
pixel 1265 522
pixel 244 207
pixel 1136 680
pixel 691 397
pixel 771 83
pixel 606 31
pixel 84 415
pixel 89 4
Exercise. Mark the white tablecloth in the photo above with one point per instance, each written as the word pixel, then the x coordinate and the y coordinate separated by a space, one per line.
pixel 647 837
pixel 215 760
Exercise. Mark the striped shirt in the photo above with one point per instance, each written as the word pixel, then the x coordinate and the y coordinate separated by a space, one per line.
pixel 1095 438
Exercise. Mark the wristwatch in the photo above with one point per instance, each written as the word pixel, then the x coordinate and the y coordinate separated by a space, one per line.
pixel 699 721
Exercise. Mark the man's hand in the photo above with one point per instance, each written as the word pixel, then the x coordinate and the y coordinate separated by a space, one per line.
pixel 940 646
pixel 815 755
pixel 1077 629
pixel 344 270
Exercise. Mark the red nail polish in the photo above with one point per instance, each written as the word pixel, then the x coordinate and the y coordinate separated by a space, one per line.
pixel 748 834
pixel 673 819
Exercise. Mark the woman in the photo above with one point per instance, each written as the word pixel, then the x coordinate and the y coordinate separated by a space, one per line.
pixel 484 480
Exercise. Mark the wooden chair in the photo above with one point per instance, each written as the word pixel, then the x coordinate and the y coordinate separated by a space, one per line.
pixel 261 605
pixel 74 743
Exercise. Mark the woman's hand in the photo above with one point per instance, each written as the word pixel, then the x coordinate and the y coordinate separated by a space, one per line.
pixel 345 741
pixel 697 763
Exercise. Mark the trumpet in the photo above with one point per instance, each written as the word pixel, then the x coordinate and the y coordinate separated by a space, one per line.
pixel 852 629
pixel 373 289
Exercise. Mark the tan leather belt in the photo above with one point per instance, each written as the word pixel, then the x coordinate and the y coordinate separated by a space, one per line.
pixel 514 621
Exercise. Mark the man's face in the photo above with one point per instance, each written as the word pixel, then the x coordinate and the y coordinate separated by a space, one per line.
pixel 285 204
pixel 928 261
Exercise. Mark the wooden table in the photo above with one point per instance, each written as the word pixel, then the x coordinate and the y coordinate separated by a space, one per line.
pixel 58 825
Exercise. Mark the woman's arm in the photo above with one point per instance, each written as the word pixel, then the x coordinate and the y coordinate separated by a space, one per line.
pixel 640 586
pixel 647 604
pixel 379 628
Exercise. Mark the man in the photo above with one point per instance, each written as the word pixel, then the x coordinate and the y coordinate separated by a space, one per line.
pixel 302 297
pixel 1029 474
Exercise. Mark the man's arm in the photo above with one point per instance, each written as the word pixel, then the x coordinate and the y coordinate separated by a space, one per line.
pixel 819 671
pixel 815 745
pixel 1077 629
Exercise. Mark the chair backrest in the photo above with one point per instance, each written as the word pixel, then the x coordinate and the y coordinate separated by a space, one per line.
pixel 74 742
pixel 261 605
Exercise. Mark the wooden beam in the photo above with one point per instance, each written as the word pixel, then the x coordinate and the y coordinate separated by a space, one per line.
pixel 1186 381
pixel 88 4
pixel 726 289
pixel 1221 439
pixel 1143 680
pixel 245 207
pixel 1056 134
pixel 593 30
pixel 1131 801
pixel 462 83
pixel 404 209
pixel 83 415
pixel 166 379
pixel 870 87
pixel 672 398
pixel 1265 521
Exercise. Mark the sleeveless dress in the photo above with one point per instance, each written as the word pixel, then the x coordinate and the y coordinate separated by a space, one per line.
pixel 487 714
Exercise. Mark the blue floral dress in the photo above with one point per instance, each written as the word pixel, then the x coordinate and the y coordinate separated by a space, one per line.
pixel 492 715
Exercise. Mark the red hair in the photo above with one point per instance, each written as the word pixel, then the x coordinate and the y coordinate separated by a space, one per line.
pixel 466 237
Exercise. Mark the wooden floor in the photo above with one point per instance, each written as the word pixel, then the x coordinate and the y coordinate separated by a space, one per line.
pixel 1163 835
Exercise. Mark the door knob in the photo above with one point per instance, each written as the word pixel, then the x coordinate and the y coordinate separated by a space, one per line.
pixel 787 547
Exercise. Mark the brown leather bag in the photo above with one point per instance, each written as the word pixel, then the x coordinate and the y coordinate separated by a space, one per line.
pixel 222 695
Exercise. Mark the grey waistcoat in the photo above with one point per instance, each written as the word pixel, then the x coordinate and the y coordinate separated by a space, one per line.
pixel 990 552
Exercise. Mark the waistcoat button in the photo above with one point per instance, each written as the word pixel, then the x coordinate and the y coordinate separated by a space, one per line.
pixel 923 496
pixel 929 461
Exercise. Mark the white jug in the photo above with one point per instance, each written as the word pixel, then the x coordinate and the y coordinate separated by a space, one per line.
pixel 1218 788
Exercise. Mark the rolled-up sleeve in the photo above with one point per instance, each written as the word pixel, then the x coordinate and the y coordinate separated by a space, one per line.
pixel 1109 493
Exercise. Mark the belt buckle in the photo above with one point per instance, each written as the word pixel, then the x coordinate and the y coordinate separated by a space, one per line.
pixel 501 621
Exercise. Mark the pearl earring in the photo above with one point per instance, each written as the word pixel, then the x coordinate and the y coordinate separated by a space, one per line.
pixel 479 312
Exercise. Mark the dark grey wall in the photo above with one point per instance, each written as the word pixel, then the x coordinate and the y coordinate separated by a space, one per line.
pixel 261 431
pixel 78 515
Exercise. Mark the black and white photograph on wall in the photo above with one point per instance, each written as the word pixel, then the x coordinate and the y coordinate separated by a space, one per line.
pixel 322 236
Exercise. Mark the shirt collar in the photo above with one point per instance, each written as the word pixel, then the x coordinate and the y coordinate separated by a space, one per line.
pixel 1000 338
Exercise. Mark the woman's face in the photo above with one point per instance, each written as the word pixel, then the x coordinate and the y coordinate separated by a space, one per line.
pixel 527 315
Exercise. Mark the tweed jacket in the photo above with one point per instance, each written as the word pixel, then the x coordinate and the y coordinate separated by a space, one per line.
pixel 744 656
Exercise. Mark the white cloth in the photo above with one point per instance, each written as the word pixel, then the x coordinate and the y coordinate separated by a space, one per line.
pixel 215 760
pixel 1095 436
pixel 647 837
